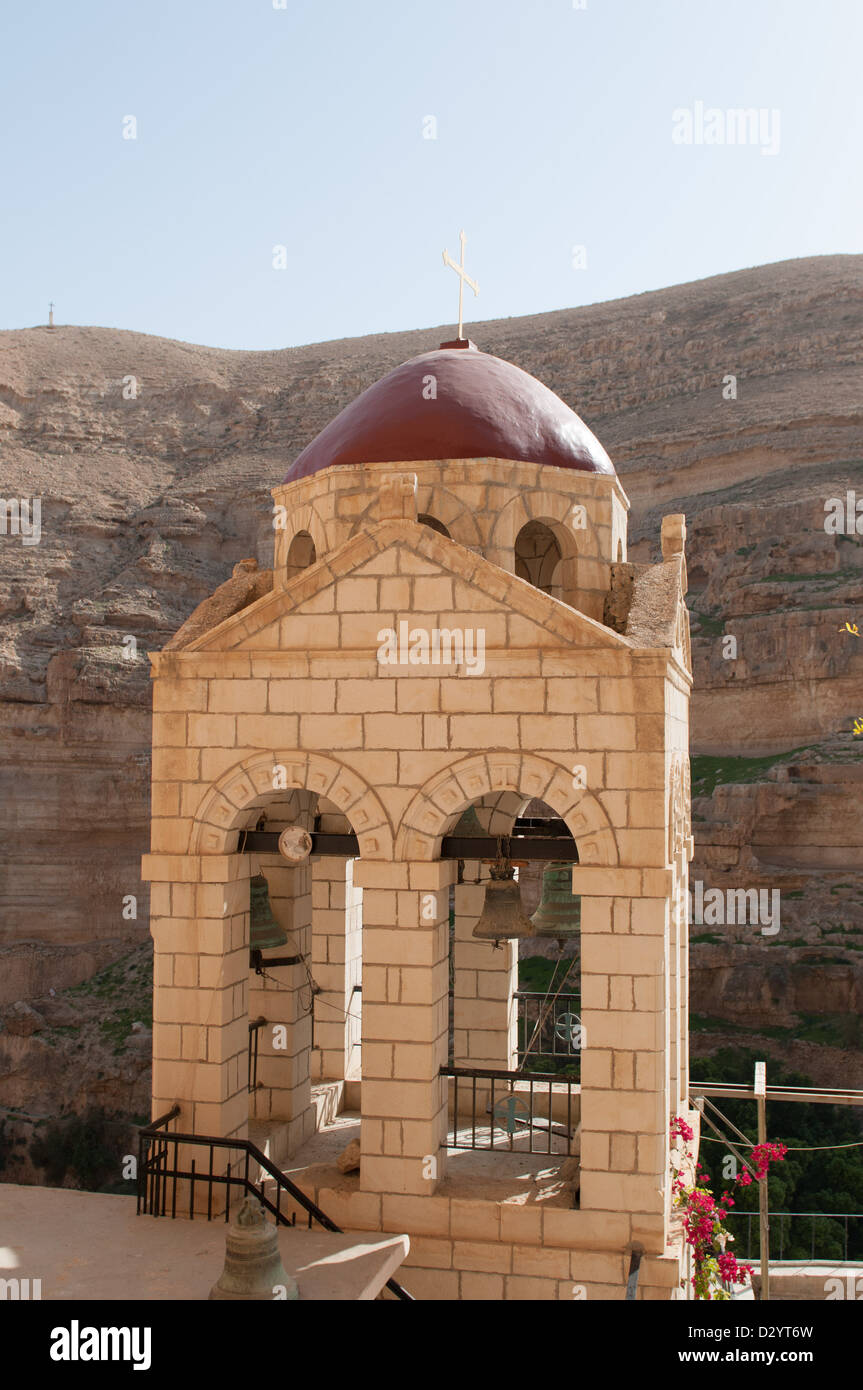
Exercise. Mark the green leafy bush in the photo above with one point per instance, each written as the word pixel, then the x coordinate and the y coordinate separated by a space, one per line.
pixel 89 1147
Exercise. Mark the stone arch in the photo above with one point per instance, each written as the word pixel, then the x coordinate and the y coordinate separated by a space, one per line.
pixel 433 524
pixel 227 806
pixel 498 811
pixel 451 512
pixel 537 557
pixel 304 519
pixel 438 805
pixel 301 553
pixel 556 511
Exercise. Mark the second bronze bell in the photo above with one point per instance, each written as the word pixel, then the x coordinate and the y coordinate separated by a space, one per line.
pixel 502 918
pixel 559 911
pixel 264 932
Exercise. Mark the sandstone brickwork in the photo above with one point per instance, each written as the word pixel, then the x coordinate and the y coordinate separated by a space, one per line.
pixel 299 695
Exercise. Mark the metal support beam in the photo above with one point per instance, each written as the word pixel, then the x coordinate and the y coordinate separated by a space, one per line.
pixel 517 848
pixel 743 1091
pixel 257 961
pixel 522 849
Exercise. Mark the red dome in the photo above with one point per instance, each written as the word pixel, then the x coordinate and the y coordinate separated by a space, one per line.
pixel 483 408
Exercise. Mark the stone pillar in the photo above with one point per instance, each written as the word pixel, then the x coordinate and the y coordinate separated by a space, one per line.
pixel 284 999
pixel 337 968
pixel 405 1024
pixel 485 1019
pixel 199 921
pixel 624 1069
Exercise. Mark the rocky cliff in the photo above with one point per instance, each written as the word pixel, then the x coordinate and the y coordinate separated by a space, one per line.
pixel 736 400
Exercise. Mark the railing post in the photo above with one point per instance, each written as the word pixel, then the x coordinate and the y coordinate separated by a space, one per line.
pixel 139 1176
pixel 813 1238
pixel 845 1256
pixel 760 1088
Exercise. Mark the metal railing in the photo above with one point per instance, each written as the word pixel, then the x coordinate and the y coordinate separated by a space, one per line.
pixel 502 1109
pixel 791 1234
pixel 254 1039
pixel 549 1027
pixel 701 1097
pixel 160 1173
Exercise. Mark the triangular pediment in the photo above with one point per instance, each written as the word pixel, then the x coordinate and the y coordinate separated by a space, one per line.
pixel 404 570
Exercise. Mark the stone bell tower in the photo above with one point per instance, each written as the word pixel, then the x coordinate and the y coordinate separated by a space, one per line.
pixel 459 518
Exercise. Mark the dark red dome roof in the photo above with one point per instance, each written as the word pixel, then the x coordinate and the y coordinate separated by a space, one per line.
pixel 483 408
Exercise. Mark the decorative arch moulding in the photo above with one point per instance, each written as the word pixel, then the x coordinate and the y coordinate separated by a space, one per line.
pixel 225 805
pixel 437 805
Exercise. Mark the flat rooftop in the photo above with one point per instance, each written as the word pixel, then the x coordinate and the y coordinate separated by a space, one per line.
pixel 93 1246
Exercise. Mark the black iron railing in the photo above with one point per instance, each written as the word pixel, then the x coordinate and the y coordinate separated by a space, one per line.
pixel 160 1174
pixel 549 1027
pixel 525 1112
pixel 254 1039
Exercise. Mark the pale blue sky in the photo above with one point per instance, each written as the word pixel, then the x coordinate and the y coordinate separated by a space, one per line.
pixel 303 126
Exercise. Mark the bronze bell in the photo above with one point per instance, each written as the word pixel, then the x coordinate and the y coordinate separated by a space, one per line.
pixel 265 931
pixel 502 918
pixel 559 911
pixel 253 1265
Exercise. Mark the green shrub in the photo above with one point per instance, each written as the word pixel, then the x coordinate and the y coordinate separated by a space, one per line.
pixel 87 1146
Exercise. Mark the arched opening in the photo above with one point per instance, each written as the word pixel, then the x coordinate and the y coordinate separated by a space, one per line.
pixel 550 962
pixel 301 554
pixel 300 992
pixel 538 557
pixel 318 997
pixel 433 523
pixel 515 1003
pixel 619 555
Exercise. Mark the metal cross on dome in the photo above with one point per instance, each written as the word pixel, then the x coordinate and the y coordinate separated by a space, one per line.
pixel 463 276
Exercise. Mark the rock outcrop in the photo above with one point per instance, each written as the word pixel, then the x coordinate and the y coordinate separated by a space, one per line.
pixel 245 586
